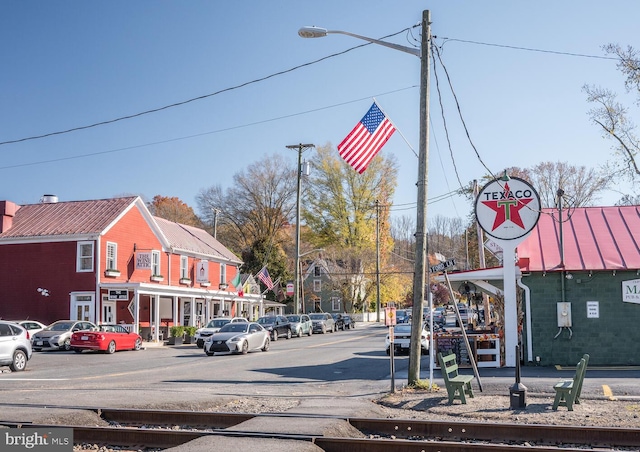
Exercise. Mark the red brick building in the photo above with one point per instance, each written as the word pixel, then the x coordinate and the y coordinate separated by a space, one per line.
pixel 110 260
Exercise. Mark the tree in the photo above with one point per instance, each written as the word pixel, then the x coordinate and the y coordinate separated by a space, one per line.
pixel 614 118
pixel 173 209
pixel 342 209
pixel 255 212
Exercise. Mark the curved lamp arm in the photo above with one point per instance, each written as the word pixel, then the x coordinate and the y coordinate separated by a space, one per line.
pixel 318 32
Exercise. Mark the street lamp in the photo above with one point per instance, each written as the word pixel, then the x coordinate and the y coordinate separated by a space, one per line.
pixel 300 147
pixel 419 277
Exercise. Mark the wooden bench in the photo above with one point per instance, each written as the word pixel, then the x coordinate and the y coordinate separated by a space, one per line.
pixel 568 391
pixel 458 386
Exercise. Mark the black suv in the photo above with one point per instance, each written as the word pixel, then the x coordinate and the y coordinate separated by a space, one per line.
pixel 276 325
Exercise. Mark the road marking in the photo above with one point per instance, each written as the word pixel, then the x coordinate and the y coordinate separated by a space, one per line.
pixel 608 392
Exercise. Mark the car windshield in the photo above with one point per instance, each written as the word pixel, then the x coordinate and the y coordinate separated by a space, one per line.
pixel 217 323
pixel 402 329
pixel 317 316
pixel 293 318
pixel 62 326
pixel 266 320
pixel 240 327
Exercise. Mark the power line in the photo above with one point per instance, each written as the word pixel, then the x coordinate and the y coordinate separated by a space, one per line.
pixel 184 102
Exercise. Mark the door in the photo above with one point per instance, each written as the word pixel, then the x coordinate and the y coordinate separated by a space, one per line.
pixel 108 311
pixel 82 308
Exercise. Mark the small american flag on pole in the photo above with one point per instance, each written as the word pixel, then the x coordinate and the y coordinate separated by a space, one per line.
pixel 366 139
pixel 263 275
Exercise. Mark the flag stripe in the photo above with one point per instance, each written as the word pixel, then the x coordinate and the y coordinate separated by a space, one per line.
pixel 366 139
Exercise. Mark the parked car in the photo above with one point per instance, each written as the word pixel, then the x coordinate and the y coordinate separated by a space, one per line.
pixel 32 326
pixel 214 326
pixel 300 324
pixel 349 322
pixel 57 336
pixel 107 338
pixel 15 346
pixel 322 322
pixel 276 325
pixel 438 315
pixel 402 339
pixel 338 321
pixel 403 316
pixel 239 337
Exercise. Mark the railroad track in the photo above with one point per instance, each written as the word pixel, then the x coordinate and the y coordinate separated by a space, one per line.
pixel 163 429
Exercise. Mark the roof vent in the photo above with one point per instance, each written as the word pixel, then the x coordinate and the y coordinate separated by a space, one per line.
pixel 49 199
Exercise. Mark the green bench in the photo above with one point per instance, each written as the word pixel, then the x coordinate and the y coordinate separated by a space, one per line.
pixel 568 391
pixel 458 386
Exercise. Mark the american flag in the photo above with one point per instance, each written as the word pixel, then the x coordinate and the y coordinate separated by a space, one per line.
pixel 263 275
pixel 366 139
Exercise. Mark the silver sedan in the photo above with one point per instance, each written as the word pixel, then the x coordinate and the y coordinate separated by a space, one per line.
pixel 239 337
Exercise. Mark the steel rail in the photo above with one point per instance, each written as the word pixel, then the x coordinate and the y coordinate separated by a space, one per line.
pixel 401 428
pixel 158 438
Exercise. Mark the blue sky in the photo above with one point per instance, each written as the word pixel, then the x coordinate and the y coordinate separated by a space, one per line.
pixel 74 63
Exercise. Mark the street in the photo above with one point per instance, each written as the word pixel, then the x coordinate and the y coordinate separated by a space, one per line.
pixel 349 363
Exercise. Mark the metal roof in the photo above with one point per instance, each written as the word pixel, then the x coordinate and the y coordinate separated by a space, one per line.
pixel 594 238
pixel 66 218
pixel 194 240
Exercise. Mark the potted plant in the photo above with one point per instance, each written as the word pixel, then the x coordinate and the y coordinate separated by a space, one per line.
pixel 189 333
pixel 177 335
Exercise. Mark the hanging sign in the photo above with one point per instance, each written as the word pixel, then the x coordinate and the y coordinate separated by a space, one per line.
pixel 508 209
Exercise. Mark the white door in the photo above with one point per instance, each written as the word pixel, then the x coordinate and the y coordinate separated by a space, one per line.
pixel 82 308
pixel 108 311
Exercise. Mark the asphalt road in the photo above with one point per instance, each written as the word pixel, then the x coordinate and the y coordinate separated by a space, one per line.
pixel 348 363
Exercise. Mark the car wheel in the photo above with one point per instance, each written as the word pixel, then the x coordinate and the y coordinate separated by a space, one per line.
pixel 288 334
pixel 200 343
pixel 299 332
pixel 274 335
pixel 77 350
pixel 245 348
pixel 19 361
pixel 208 353
pixel 66 345
pixel 324 329
pixel 138 345
pixel 310 331
pixel 111 348
pixel 265 347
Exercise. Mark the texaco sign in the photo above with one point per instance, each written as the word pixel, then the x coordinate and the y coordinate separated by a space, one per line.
pixel 508 210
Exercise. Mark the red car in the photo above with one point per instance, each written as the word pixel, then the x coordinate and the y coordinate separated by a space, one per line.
pixel 108 338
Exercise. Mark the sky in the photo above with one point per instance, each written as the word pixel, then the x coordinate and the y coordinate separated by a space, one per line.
pixel 254 87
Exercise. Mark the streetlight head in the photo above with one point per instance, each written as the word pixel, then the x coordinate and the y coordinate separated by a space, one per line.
pixel 312 32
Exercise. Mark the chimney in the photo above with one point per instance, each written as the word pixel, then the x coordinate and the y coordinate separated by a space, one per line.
pixel 7 212
pixel 49 199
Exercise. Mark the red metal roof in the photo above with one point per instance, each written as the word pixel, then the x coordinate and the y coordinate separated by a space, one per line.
pixel 66 218
pixel 595 238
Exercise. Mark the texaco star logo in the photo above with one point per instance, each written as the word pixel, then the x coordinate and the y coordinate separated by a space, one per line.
pixel 508 209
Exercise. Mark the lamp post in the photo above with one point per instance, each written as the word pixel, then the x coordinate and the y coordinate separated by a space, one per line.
pixel 300 147
pixel 419 277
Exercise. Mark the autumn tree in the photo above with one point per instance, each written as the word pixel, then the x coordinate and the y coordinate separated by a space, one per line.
pixel 614 119
pixel 343 207
pixel 173 209
pixel 253 214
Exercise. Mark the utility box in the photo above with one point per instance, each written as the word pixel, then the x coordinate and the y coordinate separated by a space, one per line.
pixel 564 314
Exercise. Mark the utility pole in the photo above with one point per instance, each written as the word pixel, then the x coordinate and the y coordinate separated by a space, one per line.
pixel 296 295
pixel 215 222
pixel 378 259
pixel 421 223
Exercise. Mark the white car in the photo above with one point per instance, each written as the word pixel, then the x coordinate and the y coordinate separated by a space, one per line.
pixel 213 327
pixel 402 338
pixel 32 326
pixel 238 337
